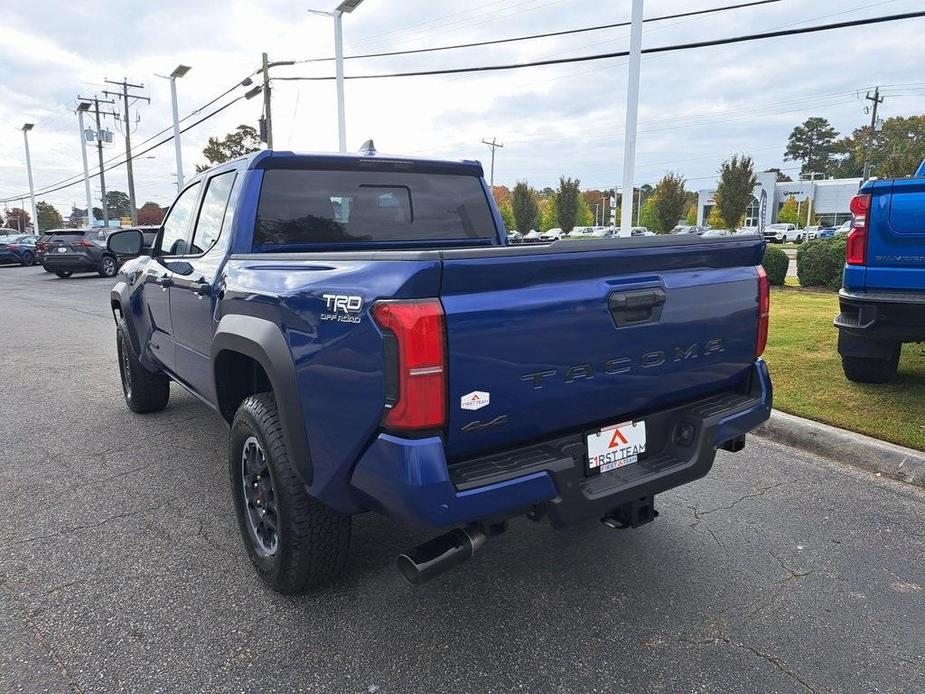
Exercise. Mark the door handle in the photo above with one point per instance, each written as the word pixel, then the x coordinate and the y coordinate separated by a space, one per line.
pixel 165 281
pixel 201 289
pixel 635 307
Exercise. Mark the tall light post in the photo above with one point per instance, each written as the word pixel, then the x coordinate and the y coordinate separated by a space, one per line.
pixel 632 117
pixel 177 73
pixel 346 6
pixel 25 135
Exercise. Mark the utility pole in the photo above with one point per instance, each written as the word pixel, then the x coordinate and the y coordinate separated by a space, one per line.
pixel 494 144
pixel 632 118
pixel 267 115
pixel 128 137
pixel 99 148
pixel 877 100
pixel 82 108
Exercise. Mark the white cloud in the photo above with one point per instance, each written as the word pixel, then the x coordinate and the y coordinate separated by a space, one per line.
pixel 697 106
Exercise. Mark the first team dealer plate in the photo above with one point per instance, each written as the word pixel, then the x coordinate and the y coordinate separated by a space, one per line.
pixel 616 446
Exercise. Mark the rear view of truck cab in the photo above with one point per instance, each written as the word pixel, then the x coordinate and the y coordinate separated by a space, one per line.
pixel 375 345
pixel 882 299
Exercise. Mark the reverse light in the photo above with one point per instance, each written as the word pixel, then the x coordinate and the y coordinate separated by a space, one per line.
pixel 764 311
pixel 856 247
pixel 415 333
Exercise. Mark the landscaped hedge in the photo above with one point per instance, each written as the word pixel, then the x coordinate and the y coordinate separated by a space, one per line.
pixel 820 262
pixel 775 264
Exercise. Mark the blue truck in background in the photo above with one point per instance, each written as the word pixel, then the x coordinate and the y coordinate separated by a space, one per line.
pixel 374 344
pixel 882 299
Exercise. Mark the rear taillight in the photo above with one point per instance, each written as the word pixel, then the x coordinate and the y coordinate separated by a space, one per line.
pixel 764 311
pixel 856 248
pixel 85 243
pixel 416 363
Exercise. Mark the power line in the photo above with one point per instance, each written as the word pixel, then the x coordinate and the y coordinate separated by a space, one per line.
pixel 77 178
pixel 620 54
pixel 530 37
pixel 47 191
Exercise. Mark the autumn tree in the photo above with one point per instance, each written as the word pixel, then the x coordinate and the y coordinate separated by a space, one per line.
pixel 546 209
pixel 585 215
pixel 789 212
pixel 669 200
pixel 734 193
pixel 150 214
pixel 813 143
pixel 240 141
pixel 567 203
pixel 49 217
pixel 523 207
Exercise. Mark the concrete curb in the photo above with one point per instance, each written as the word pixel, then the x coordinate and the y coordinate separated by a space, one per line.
pixel 890 460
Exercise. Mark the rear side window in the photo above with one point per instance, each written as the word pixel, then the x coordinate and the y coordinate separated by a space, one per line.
pixel 175 239
pixel 212 213
pixel 299 208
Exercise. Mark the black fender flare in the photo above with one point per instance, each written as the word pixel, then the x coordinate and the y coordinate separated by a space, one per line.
pixel 120 296
pixel 264 342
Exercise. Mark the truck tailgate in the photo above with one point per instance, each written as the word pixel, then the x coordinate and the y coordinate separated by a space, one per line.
pixel 578 335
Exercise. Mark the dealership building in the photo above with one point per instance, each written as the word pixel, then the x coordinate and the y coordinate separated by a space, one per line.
pixel 828 199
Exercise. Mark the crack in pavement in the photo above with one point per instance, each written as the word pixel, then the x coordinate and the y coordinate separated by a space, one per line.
pixel 41 638
pixel 76 528
pixel 761 492
pixel 776 661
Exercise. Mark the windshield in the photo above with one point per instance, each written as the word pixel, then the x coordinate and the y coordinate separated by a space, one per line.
pixel 299 208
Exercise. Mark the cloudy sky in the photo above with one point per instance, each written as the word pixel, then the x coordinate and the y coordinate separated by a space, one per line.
pixel 697 106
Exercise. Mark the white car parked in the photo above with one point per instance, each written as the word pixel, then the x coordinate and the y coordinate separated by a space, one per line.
pixel 553 234
pixel 783 233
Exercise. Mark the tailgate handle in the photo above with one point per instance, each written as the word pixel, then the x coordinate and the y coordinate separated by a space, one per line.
pixel 636 307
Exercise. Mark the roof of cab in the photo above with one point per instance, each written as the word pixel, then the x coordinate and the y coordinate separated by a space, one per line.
pixel 362 161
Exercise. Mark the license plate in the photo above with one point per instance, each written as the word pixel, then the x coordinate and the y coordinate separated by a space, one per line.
pixel 62 250
pixel 616 446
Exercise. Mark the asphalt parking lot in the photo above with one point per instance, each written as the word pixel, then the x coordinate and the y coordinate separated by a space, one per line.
pixel 121 569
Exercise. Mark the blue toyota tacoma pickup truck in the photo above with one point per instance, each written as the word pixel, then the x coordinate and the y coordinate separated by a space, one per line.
pixel 882 299
pixel 374 344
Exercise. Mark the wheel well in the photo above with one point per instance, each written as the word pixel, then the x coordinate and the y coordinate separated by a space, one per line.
pixel 236 377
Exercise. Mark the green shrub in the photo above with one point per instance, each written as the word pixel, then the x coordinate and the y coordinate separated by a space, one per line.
pixel 775 264
pixel 820 263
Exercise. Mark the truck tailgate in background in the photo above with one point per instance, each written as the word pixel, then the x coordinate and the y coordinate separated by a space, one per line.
pixel 543 340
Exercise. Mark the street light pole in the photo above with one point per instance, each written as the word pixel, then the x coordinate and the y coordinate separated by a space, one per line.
pixel 25 135
pixel 346 7
pixel 82 108
pixel 179 71
pixel 632 117
pixel 339 70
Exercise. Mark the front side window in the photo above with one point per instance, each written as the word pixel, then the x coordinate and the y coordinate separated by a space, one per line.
pixel 212 214
pixel 299 208
pixel 176 226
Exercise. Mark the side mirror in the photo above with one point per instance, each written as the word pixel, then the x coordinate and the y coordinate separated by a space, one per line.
pixel 125 243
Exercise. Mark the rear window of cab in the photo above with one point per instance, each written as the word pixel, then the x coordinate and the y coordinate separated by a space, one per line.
pixel 299 208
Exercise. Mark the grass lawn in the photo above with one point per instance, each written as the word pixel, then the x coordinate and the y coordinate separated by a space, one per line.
pixel 808 379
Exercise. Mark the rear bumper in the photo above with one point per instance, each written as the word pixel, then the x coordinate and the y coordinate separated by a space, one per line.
pixel 69 263
pixel 409 479
pixel 891 316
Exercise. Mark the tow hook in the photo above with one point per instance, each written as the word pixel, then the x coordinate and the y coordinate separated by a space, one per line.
pixel 436 556
pixel 631 514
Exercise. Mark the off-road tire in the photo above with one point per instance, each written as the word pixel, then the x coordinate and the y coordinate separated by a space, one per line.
pixel 872 370
pixel 109 267
pixel 63 274
pixel 313 539
pixel 144 391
